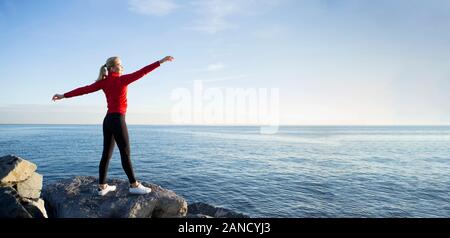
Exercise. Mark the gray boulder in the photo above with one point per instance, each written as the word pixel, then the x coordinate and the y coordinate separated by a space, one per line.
pixel 10 206
pixel 20 189
pixel 35 207
pixel 14 169
pixel 204 210
pixel 30 188
pixel 77 198
pixel 199 215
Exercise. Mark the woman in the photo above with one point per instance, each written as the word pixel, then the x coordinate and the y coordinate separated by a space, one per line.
pixel 114 85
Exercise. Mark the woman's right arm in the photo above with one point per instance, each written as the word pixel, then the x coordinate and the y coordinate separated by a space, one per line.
pixel 80 91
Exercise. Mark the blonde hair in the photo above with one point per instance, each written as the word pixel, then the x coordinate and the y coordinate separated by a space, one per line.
pixel 110 62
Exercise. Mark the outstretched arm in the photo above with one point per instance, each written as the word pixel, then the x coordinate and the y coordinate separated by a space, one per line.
pixel 80 91
pixel 129 78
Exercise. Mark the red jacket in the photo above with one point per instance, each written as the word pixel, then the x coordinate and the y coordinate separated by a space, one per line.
pixel 115 88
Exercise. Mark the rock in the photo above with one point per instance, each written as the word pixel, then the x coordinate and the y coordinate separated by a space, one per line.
pixel 35 207
pixel 203 210
pixel 198 216
pixel 10 206
pixel 20 189
pixel 30 188
pixel 14 169
pixel 77 198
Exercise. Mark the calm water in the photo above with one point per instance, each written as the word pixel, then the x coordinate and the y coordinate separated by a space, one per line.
pixel 299 172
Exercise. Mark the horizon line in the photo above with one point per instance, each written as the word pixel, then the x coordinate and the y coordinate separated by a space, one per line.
pixel 227 125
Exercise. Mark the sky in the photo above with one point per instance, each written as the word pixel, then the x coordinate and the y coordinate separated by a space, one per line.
pixel 347 62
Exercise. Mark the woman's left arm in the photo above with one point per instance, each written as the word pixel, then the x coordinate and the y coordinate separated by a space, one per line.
pixel 129 78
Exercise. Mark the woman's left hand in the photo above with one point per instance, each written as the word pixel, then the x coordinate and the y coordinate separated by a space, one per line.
pixel 167 58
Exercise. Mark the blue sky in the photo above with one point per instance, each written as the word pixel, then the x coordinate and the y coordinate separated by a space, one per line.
pixel 334 62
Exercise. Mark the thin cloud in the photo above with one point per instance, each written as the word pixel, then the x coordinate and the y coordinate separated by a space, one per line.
pixel 234 77
pixel 210 68
pixel 213 15
pixel 215 67
pixel 217 15
pixel 152 7
pixel 273 31
pixel 210 16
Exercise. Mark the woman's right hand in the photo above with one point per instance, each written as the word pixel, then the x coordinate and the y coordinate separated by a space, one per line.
pixel 57 97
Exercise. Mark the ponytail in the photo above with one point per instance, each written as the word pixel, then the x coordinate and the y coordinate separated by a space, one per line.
pixel 105 68
pixel 103 73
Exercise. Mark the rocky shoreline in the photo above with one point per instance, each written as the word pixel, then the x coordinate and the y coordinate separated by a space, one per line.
pixel 22 196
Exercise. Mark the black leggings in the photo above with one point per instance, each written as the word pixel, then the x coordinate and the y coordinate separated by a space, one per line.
pixel 115 130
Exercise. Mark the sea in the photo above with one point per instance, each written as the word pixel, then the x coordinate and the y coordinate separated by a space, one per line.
pixel 298 172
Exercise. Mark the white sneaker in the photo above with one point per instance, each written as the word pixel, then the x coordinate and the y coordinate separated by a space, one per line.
pixel 140 189
pixel 109 188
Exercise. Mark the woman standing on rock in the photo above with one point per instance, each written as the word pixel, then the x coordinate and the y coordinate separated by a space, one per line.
pixel 114 85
